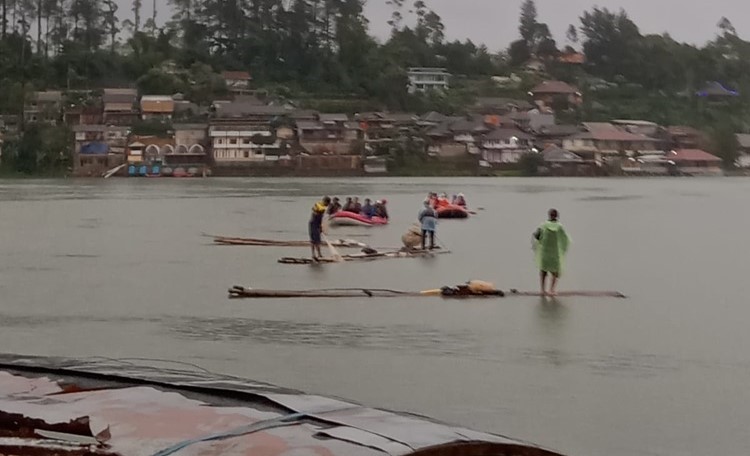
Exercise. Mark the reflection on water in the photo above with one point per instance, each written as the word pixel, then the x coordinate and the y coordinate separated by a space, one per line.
pixel 611 198
pixel 402 338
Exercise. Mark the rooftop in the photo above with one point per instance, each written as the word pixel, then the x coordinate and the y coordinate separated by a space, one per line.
pixel 48 96
pixel 635 123
pixel 716 89
pixel 241 109
pixel 428 70
pixel 613 135
pixel 554 87
pixel 557 130
pixel 693 155
pixel 504 134
pixel 98 128
pixel 599 126
pixel 555 154
pixel 333 117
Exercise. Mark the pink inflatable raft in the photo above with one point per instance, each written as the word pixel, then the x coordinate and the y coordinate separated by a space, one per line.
pixel 344 218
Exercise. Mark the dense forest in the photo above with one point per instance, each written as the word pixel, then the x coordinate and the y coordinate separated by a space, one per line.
pixel 321 51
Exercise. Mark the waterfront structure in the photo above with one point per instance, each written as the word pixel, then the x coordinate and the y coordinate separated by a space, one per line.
pixel 504 145
pixel 98 148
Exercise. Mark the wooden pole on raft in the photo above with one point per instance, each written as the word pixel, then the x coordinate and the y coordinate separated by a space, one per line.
pixel 242 292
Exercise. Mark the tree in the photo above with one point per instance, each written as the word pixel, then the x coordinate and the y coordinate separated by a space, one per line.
pixel 135 24
pixel 519 52
pixel 528 26
pixel 611 43
pixel 572 34
pixel 726 27
pixel 111 23
pixel 725 143
pixel 396 16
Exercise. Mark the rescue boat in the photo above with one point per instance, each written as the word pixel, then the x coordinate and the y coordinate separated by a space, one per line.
pixel 346 218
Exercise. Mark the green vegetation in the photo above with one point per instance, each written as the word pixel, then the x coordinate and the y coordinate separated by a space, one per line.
pixel 40 150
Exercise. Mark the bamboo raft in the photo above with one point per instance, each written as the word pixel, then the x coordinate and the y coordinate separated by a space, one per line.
pixel 339 243
pixel 240 292
pixel 365 256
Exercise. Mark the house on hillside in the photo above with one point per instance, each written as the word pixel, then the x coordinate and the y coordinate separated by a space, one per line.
pixel 533 119
pixel 600 144
pixel 432 119
pixel 157 107
pixel 695 162
pixel 548 93
pixel 571 57
pixel 456 136
pixel 44 107
pixel 119 107
pixel 561 162
pixel 553 134
pixel 425 79
pixel 247 113
pixel 238 82
pixel 329 134
pixel 535 66
pixel 684 137
pixel 503 145
pixel 83 115
pixel 642 127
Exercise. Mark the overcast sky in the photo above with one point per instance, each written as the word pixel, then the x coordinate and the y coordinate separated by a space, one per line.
pixel 495 22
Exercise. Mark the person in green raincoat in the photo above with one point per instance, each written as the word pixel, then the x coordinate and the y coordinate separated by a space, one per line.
pixel 551 244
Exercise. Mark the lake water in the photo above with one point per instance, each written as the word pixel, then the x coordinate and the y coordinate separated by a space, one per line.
pixel 119 268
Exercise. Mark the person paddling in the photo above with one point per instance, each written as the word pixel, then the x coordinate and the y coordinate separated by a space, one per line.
pixel 428 219
pixel 551 245
pixel 315 226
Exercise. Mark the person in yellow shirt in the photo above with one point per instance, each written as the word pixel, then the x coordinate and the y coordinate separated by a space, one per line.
pixel 315 226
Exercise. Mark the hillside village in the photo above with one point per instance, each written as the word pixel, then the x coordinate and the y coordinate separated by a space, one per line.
pixel 189 98
pixel 247 133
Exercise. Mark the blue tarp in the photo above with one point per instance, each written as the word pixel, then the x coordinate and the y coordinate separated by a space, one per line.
pixel 95 148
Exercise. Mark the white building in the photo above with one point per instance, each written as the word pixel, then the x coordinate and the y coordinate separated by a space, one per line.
pixel 504 145
pixel 424 79
pixel 243 144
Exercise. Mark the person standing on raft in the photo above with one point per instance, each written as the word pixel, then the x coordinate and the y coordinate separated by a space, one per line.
pixel 551 245
pixel 316 226
pixel 428 221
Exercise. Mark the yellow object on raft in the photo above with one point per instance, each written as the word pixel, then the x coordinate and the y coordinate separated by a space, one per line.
pixel 475 286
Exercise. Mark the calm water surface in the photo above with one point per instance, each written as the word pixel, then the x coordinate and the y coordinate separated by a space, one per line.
pixel 120 268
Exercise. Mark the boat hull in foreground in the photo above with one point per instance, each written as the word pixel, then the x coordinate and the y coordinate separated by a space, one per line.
pixel 110 407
